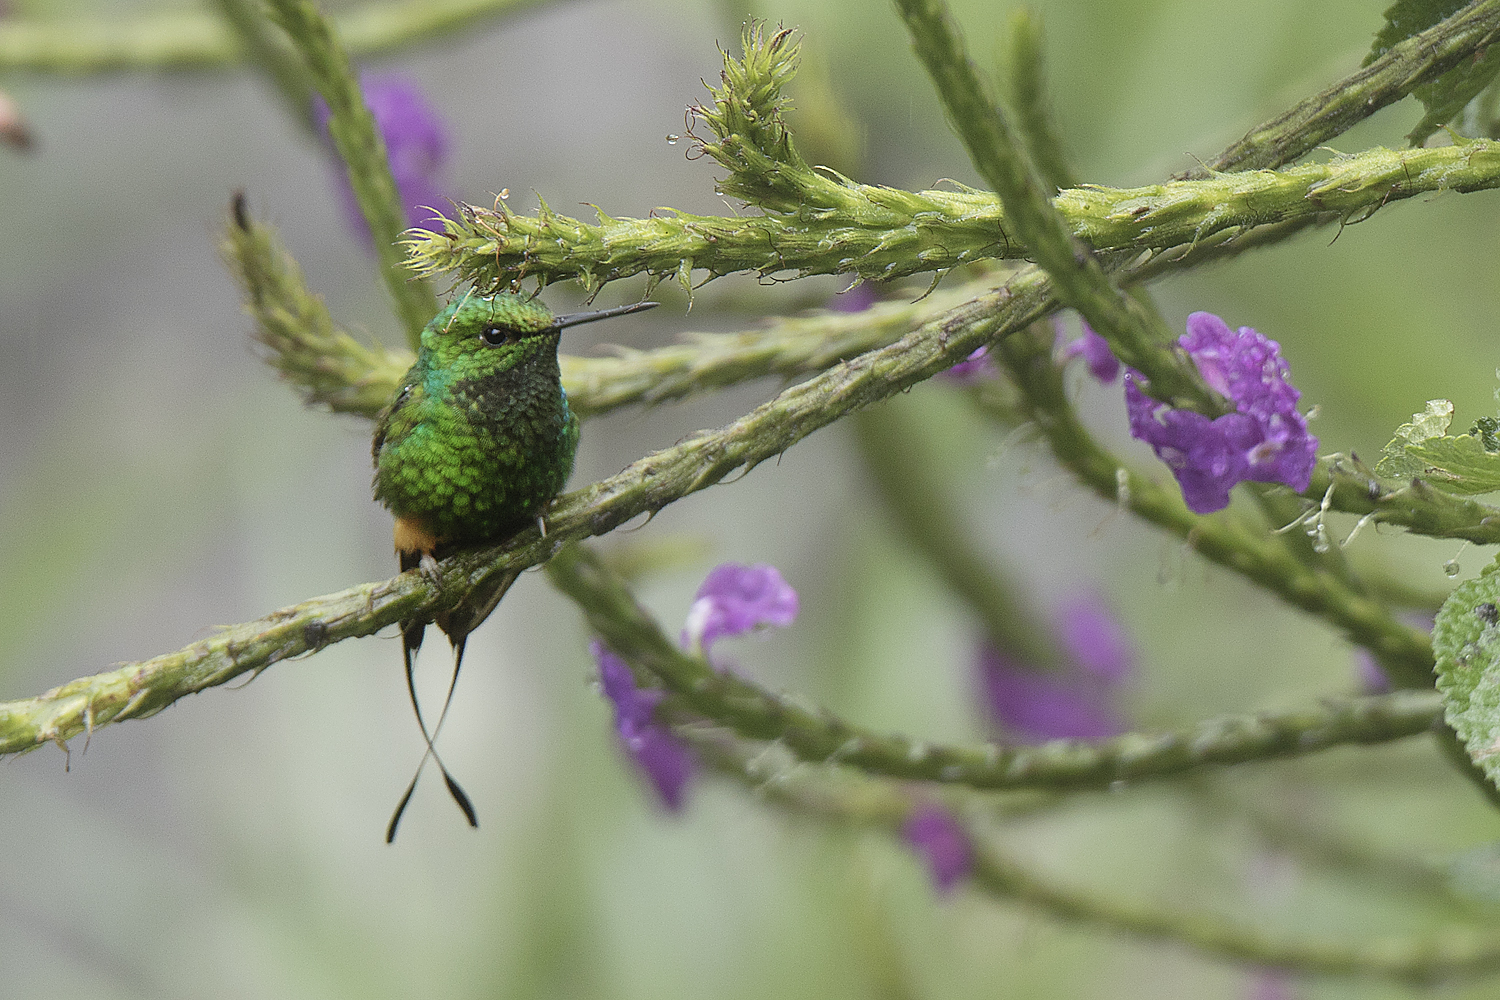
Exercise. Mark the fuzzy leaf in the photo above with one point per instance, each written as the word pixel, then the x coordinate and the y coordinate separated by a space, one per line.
pixel 1466 464
pixel 1431 423
pixel 1466 643
pixel 1459 464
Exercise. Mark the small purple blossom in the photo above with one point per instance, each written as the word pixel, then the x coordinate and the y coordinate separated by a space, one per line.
pixel 1265 440
pixel 1094 350
pixel 1037 705
pixel 856 298
pixel 977 367
pixel 734 599
pixel 416 143
pixel 1094 638
pixel 942 843
pixel 664 758
pixel 1074 701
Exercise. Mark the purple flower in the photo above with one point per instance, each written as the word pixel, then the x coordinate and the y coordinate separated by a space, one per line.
pixel 1074 701
pixel 1037 705
pixel 1265 440
pixel 416 143
pixel 855 298
pixel 934 834
pixel 977 367
pixel 1094 639
pixel 1094 350
pixel 664 758
pixel 734 599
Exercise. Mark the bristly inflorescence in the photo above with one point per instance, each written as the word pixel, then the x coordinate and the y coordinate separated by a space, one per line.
pixel 746 115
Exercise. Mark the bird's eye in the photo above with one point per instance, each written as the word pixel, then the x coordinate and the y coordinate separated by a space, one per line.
pixel 493 336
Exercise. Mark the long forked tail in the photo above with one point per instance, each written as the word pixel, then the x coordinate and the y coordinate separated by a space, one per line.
pixel 411 641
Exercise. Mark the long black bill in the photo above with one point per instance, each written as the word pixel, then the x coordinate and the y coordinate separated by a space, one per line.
pixel 573 319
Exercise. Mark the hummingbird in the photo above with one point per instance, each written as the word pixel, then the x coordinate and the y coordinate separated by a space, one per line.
pixel 475 442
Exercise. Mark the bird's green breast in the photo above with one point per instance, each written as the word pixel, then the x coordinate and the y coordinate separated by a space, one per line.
pixel 476 455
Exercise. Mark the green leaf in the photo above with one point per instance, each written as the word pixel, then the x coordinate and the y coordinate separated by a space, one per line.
pixel 1431 423
pixel 1466 464
pixel 1448 95
pixel 1405 18
pixel 1445 97
pixel 1459 464
pixel 1466 643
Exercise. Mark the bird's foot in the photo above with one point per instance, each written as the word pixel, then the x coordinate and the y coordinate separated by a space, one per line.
pixel 429 567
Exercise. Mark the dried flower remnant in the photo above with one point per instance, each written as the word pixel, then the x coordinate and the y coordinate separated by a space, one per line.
pixel 664 758
pixel 1265 440
pixel 942 843
pixel 416 144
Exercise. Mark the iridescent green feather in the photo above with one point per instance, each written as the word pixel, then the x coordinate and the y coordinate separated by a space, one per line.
pixel 480 435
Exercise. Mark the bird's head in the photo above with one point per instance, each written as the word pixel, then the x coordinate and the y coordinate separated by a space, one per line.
pixel 485 335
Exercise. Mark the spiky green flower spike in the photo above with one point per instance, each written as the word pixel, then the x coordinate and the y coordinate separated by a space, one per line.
pixel 476 441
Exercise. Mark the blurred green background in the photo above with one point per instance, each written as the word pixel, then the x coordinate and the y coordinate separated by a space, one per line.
pixel 156 480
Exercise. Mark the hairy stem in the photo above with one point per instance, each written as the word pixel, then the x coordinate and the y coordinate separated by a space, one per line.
pixel 815 735
pixel 359 144
pixel 195 40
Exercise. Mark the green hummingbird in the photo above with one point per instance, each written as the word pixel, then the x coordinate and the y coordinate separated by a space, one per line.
pixel 476 441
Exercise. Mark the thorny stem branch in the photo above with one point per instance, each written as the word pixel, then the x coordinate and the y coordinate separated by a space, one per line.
pixel 817 736
pixel 1419 59
pixel 363 151
pixel 647 485
pixel 193 40
pixel 841 796
pixel 1221 538
pixel 907 233
pixel 1136 334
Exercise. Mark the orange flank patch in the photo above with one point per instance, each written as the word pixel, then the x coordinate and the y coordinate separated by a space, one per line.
pixel 412 537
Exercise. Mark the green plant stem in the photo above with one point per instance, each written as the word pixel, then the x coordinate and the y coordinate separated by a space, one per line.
pixel 359 144
pixel 1453 954
pixel 1419 59
pixel 327 366
pixel 195 40
pixel 1026 98
pixel 1312 842
pixel 267 48
pixel 815 735
pixel 898 462
pixel 907 233
pixel 1135 333
pixel 837 796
